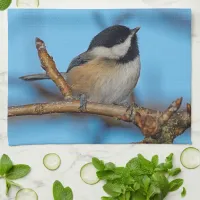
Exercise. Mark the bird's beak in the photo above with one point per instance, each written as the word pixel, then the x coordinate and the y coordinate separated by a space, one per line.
pixel 135 30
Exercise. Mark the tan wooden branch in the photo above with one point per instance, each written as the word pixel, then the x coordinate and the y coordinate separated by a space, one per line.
pixel 156 126
pixel 49 66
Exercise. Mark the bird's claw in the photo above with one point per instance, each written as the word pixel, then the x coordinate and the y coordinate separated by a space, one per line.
pixel 82 99
pixel 83 102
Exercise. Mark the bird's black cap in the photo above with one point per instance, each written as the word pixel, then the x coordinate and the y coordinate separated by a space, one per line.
pixel 111 36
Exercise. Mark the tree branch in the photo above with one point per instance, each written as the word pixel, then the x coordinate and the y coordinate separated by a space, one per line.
pixel 49 66
pixel 146 119
pixel 156 126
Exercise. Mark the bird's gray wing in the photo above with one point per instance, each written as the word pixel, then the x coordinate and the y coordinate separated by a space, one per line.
pixel 80 60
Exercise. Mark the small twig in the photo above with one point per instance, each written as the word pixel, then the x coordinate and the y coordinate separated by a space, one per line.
pixel 170 111
pixel 189 109
pixel 49 66
pixel 150 124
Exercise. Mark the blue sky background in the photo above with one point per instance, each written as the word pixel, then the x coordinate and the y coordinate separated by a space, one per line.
pixel 165 48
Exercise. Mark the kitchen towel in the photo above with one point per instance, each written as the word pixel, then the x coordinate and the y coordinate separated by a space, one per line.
pixel 165 50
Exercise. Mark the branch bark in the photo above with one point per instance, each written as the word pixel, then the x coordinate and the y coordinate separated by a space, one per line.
pixel 157 126
pixel 146 119
pixel 49 66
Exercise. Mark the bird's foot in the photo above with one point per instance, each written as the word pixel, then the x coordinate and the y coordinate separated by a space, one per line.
pixel 83 102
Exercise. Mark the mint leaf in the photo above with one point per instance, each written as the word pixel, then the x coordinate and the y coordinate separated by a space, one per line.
pixel 61 193
pixel 107 175
pixel 168 161
pixel 137 196
pixel 122 171
pixel 155 160
pixel 125 196
pixel 114 189
pixel 18 171
pixel 129 180
pixel 174 172
pixel 98 164
pixel 58 191
pixel 159 180
pixel 175 184
pixel 157 197
pixel 161 168
pixel 10 172
pixel 146 183
pixel 133 164
pixel 110 166
pixel 138 178
pixel 140 166
pixel 69 193
pixel 5 164
pixel 146 164
pixel 183 193
pixel 130 189
pixel 170 157
pixel 152 191
pixel 144 161
pixel 125 176
pixel 168 165
pixel 136 186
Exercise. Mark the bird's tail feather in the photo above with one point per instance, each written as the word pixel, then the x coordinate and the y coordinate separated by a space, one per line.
pixel 34 77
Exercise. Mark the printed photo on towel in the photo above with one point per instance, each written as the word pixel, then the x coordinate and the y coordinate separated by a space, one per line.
pixel 128 70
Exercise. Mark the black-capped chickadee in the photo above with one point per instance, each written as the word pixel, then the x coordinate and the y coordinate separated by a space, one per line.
pixel 108 71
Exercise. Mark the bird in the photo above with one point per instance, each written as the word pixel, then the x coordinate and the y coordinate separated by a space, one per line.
pixel 108 71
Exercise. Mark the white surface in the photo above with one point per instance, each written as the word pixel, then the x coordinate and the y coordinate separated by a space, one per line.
pixel 75 156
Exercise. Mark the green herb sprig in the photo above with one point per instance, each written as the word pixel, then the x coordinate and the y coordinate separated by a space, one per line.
pixel 140 179
pixel 60 192
pixel 10 172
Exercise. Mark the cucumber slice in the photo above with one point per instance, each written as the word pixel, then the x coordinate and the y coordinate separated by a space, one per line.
pixel 27 3
pixel 88 174
pixel 52 161
pixel 26 194
pixel 190 158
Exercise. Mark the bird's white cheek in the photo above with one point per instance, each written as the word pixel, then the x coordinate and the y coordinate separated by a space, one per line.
pixel 120 50
pixel 114 52
pixel 104 52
